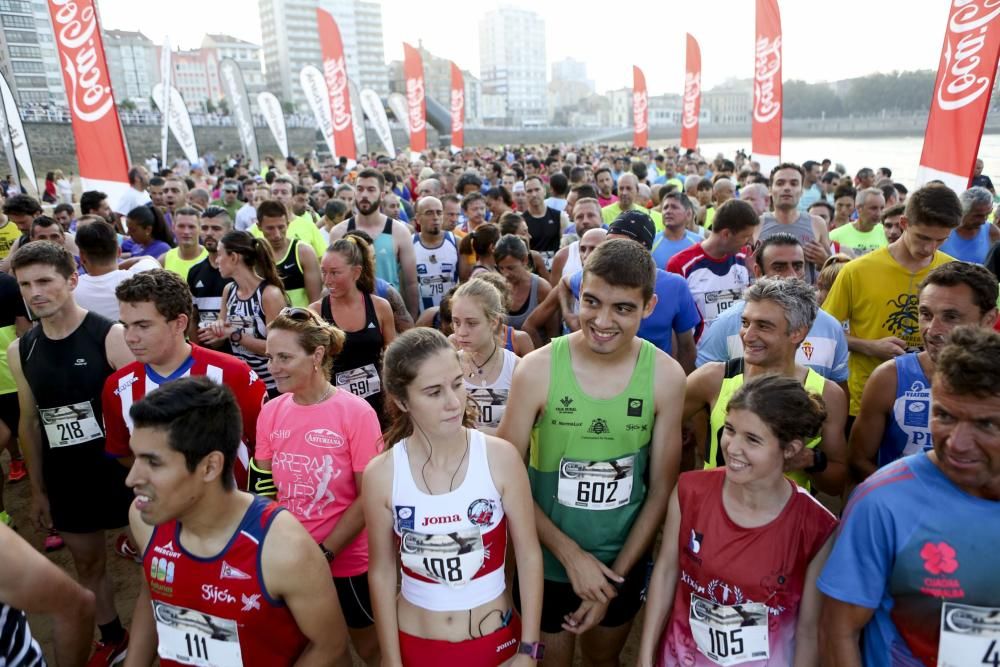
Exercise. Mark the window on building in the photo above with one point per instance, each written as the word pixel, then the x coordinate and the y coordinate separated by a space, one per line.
pixel 13 21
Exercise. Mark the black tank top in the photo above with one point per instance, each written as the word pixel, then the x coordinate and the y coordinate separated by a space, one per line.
pixel 358 367
pixel 288 268
pixel 546 231
pixel 66 378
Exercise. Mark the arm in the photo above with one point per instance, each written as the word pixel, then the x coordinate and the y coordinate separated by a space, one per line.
pixel 385 319
pixel 272 301
pixel 832 479
pixel 30 435
pixel 162 259
pixel 806 628
pixel 142 630
pixel 538 320
pixel 539 265
pixel 350 523
pixel 399 313
pixel 295 572
pixel 558 264
pixel 840 629
pixel 869 426
pixel 33 584
pixel 701 388
pixel 408 267
pixel 114 346
pixel 883 349
pixel 552 328
pixel 310 271
pixel 566 299
pixel 686 351
pixel 383 574
pixel 523 344
pixel 662 586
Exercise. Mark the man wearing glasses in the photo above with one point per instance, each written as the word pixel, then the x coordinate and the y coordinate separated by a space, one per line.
pixel 229 199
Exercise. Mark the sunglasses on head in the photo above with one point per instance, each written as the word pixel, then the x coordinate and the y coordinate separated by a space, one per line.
pixel 298 314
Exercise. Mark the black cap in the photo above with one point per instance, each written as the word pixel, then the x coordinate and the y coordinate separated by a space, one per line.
pixel 636 225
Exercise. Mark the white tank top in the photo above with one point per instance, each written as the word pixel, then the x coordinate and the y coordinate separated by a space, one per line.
pixel 452 545
pixel 492 398
pixel 573 263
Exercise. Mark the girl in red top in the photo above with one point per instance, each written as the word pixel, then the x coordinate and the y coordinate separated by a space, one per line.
pixel 735 579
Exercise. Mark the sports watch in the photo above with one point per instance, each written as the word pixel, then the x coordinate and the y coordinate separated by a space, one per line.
pixel 534 650
pixel 819 461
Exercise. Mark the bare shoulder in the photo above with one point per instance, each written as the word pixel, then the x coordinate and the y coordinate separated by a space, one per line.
pixel 379 471
pixel 338 230
pixel 500 451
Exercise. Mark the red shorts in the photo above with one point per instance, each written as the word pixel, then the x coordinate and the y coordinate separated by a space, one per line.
pixel 489 651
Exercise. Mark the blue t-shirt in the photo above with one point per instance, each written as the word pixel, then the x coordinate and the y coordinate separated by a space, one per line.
pixel 664 248
pixel 824 349
pixel 910 542
pixel 675 310
pixel 154 249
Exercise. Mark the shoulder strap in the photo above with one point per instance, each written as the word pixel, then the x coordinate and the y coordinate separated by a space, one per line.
pixel 326 311
pixel 734 367
pixel 370 314
pixel 388 226
pixel 350 225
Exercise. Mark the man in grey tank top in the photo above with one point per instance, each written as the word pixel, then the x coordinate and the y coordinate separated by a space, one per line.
pixel 810 230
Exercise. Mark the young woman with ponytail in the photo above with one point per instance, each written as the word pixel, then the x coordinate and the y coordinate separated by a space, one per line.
pixel 251 301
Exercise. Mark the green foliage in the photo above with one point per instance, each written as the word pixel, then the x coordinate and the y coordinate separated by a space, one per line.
pixel 892 92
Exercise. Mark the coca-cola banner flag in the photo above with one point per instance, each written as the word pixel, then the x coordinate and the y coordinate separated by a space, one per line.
pixel 235 90
pixel 166 80
pixel 16 141
pixel 457 109
pixel 314 89
pixel 357 118
pixel 961 93
pixel 335 74
pixel 401 110
pixel 692 95
pixel 100 142
pixel 640 109
pixel 269 107
pixel 766 132
pixel 416 104
pixel 6 141
pixel 178 119
pixel 372 105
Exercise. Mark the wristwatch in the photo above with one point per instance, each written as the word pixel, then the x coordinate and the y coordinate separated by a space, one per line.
pixel 236 336
pixel 819 461
pixel 534 650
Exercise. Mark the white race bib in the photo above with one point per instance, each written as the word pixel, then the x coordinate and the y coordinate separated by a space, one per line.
pixel 595 485
pixel 729 635
pixel 363 382
pixel 452 559
pixel 719 301
pixel 431 287
pixel 969 636
pixel 70 425
pixel 196 638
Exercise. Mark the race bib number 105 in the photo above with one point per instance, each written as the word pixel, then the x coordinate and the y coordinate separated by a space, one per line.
pixel 729 635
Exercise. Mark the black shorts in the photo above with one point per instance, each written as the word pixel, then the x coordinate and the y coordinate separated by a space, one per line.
pixel 355 601
pixel 558 600
pixel 86 489
pixel 10 411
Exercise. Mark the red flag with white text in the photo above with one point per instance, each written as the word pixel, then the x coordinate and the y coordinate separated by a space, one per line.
pixel 101 155
pixel 962 91
pixel 413 73
pixel 457 109
pixel 640 109
pixel 766 131
pixel 335 75
pixel 692 95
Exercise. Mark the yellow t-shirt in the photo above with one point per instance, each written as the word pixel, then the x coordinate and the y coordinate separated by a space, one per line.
pixel 877 298
pixel 302 228
pixel 613 210
pixel 9 234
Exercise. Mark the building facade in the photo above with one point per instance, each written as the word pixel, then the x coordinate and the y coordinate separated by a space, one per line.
pixel 246 54
pixel 729 104
pixel 512 63
pixel 28 56
pixel 132 65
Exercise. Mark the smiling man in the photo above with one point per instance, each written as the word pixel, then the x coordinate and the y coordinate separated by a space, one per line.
pixel 229 578
pixel 913 569
pixel 155 309
pixel 602 461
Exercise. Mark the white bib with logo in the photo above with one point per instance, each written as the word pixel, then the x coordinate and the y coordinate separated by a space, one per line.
pixel 595 485
pixel 729 635
pixel 362 382
pixel 452 559
pixel 70 425
pixel 196 638
pixel 969 636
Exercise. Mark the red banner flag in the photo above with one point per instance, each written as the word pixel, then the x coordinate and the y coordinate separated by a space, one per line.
pixel 961 93
pixel 457 109
pixel 767 86
pixel 692 95
pixel 100 142
pixel 413 72
pixel 335 75
pixel 640 109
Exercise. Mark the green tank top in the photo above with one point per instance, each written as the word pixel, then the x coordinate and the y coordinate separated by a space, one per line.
pixel 589 457
pixel 732 381
pixel 172 262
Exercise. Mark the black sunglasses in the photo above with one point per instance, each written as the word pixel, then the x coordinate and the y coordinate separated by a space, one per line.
pixel 298 314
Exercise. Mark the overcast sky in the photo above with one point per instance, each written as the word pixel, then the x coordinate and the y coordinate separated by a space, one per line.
pixel 823 41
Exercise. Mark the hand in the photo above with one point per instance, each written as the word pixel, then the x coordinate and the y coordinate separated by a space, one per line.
pixel 816 253
pixel 220 329
pixel 521 660
pixel 644 660
pixel 207 337
pixel 805 458
pixel 40 512
pixel 572 321
pixel 591 578
pixel 585 617
pixel 887 348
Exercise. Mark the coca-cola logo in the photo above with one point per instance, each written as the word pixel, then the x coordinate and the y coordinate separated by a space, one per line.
pixel 965 77
pixel 335 73
pixel 78 39
pixel 639 106
pixel 767 79
pixel 457 108
pixel 415 102
pixel 692 94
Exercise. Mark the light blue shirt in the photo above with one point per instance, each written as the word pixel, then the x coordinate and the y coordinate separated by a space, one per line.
pixel 824 349
pixel 809 197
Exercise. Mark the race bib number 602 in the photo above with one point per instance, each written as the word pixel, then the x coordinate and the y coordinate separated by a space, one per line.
pixel 596 485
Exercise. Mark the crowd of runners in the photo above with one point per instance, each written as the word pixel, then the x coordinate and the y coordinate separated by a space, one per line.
pixel 471 409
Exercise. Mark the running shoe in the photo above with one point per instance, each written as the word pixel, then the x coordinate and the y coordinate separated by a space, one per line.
pixel 125 548
pixel 7 520
pixel 53 542
pixel 18 471
pixel 107 654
